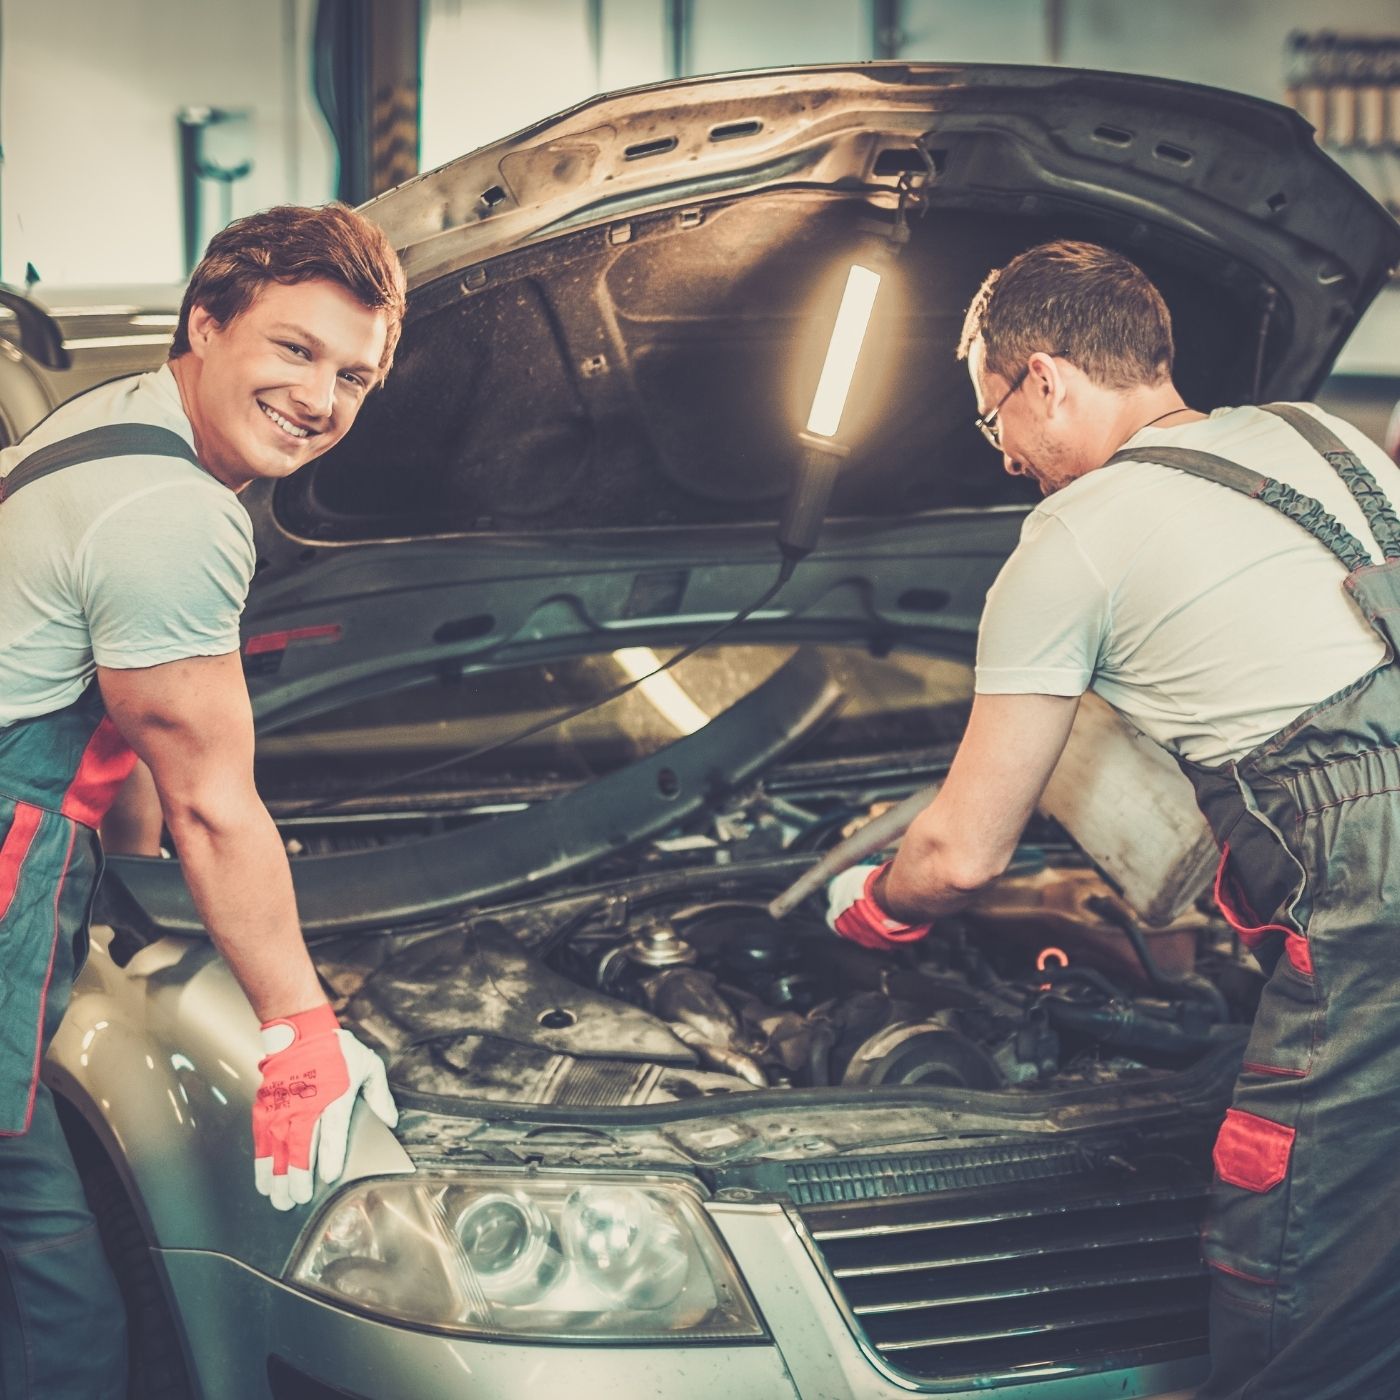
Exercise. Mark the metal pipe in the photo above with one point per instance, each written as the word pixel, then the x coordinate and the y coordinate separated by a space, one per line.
pixel 720 1057
pixel 875 835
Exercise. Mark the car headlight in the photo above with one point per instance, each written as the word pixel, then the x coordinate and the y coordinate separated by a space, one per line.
pixel 568 1258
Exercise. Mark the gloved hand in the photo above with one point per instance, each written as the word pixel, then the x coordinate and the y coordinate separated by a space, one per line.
pixel 311 1073
pixel 852 912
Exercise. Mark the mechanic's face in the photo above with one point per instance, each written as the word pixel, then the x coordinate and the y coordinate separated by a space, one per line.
pixel 1028 419
pixel 281 382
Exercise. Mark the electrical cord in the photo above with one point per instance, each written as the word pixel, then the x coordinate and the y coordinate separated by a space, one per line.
pixel 399 779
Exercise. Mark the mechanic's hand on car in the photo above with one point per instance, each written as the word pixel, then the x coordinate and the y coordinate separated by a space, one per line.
pixel 851 911
pixel 311 1074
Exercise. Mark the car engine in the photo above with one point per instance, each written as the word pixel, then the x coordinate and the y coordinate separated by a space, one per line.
pixel 678 984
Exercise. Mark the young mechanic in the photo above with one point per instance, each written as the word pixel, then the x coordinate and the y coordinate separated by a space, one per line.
pixel 1229 584
pixel 125 559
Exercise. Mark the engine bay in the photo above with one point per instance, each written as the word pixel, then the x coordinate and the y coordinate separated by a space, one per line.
pixel 679 984
pixel 650 970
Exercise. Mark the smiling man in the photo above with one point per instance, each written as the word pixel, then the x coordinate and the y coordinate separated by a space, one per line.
pixel 1230 583
pixel 125 560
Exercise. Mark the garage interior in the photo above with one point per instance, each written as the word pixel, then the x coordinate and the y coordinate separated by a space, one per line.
pixel 230 109
pixel 619 894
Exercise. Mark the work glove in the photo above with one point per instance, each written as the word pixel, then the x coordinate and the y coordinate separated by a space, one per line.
pixel 851 911
pixel 311 1074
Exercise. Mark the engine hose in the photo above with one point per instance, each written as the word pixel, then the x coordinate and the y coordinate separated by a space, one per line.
pixel 721 1057
pixel 1128 1029
pixel 1187 988
pixel 1077 972
pixel 819 1053
pixel 1110 911
pixel 1194 987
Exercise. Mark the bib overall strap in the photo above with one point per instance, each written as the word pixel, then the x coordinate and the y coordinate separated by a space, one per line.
pixel 110 440
pixel 1302 510
pixel 1380 514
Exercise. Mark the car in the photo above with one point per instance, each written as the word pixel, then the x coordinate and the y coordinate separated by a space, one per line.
pixel 654 1141
pixel 74 339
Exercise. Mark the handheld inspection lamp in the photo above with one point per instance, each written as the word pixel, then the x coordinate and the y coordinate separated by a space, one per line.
pixel 816 473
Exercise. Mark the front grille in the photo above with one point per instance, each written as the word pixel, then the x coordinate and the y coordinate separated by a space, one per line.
pixel 1075 1275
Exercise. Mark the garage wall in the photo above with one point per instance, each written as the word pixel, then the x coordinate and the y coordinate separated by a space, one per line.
pixel 89 90
pixel 91 190
pixel 491 67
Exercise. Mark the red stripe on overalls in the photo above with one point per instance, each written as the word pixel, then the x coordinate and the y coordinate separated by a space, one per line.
pixel 48 971
pixel 106 764
pixel 18 840
pixel 1295 946
pixel 1252 934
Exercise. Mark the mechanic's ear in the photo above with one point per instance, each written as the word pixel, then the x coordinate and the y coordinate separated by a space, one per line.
pixel 1048 383
pixel 201 329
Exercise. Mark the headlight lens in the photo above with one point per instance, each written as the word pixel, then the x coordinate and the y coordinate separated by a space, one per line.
pixel 564 1258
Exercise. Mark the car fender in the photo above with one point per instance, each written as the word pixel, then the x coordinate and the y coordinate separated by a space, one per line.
pixel 160 1059
pixel 23 398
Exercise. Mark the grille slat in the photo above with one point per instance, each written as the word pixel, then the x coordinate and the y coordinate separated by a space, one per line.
pixel 986 1208
pixel 1169 1232
pixel 1189 1268
pixel 1042 1326
pixel 1082 1273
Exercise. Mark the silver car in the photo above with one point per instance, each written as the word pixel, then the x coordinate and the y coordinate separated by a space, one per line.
pixel 655 1142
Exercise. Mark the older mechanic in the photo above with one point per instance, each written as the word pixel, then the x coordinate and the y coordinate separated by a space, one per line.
pixel 125 558
pixel 1212 578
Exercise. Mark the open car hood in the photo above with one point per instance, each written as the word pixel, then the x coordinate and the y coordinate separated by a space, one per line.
pixel 616 318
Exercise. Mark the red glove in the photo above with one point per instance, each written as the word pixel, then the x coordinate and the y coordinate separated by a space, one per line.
pixel 851 911
pixel 312 1073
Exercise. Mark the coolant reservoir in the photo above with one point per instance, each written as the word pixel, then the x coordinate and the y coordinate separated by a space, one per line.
pixel 1133 812
pixel 1065 909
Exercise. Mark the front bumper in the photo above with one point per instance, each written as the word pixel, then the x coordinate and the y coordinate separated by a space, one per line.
pixel 236 1318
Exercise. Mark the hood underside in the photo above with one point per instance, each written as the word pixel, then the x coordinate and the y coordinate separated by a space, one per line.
pixel 616 318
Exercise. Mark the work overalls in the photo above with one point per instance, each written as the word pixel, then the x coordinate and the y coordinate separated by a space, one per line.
pixel 1303 1229
pixel 62 1324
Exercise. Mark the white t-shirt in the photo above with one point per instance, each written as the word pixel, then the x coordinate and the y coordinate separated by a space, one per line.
pixel 125 562
pixel 1209 620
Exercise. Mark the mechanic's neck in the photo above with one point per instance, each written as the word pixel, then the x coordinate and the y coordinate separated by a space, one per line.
pixel 186 370
pixel 1126 412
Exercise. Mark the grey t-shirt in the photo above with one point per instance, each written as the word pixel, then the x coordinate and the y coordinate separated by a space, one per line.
pixel 1207 619
pixel 124 562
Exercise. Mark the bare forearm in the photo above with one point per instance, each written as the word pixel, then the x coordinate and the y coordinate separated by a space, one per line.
pixel 967 835
pixel 237 872
pixel 928 880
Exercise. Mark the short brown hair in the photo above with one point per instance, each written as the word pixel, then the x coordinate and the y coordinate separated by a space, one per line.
pixel 1078 300
pixel 296 243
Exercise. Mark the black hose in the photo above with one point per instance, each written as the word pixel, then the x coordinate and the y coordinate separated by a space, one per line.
pixel 1077 972
pixel 1129 1029
pixel 819 1053
pixel 1110 911
pixel 1188 988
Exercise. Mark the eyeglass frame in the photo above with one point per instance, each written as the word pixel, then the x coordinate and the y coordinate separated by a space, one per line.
pixel 987 423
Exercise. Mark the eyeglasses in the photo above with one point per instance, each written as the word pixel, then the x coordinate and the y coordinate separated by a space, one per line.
pixel 988 424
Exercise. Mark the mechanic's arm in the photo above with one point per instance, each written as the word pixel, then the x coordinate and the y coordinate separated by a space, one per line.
pixel 192 724
pixel 967 835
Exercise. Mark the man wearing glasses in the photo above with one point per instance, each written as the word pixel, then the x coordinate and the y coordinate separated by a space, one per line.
pixel 1228 583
